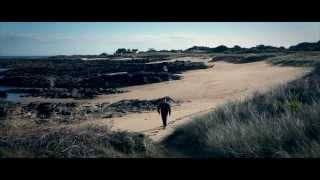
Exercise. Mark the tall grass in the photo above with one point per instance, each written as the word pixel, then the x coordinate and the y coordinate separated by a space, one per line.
pixel 284 122
pixel 244 58
pixel 305 59
pixel 86 142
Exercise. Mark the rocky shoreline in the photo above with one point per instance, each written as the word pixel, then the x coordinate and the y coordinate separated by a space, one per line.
pixel 80 79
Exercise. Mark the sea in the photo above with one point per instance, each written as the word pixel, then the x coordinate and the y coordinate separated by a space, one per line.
pixel 22 57
pixel 14 97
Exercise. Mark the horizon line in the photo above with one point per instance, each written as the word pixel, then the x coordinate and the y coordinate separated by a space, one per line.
pixel 156 50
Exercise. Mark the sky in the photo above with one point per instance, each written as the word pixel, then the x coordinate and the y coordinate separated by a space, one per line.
pixel 67 38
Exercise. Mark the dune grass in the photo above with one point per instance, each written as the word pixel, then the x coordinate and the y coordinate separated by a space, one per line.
pixel 297 59
pixel 283 123
pixel 86 142
pixel 301 59
pixel 244 58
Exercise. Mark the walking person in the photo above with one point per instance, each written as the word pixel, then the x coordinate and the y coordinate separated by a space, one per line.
pixel 164 109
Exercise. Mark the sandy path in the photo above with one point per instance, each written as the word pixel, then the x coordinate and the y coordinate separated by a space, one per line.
pixel 201 90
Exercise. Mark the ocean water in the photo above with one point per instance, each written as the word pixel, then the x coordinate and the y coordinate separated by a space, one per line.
pixel 4 69
pixel 22 57
pixel 13 97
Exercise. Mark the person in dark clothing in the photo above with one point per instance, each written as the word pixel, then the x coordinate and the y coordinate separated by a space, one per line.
pixel 164 109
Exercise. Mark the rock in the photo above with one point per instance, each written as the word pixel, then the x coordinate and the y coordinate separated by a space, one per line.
pixel 3 94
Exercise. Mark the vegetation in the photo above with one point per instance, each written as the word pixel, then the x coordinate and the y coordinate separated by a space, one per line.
pixel 281 123
pixel 87 142
pixel 124 50
pixel 306 46
pixel 243 58
pixel 304 59
pixel 236 49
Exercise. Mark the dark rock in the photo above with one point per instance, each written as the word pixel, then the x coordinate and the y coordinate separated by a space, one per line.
pixel 3 94
pixel 90 74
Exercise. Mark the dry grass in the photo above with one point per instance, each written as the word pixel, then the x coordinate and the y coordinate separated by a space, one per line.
pixel 87 142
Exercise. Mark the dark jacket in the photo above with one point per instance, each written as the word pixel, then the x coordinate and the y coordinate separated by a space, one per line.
pixel 164 108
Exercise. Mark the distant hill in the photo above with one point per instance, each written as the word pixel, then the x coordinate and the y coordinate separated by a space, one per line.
pixel 198 49
pixel 306 46
pixel 235 49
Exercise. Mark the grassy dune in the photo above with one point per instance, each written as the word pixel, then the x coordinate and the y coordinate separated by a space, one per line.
pixel 88 142
pixel 305 59
pixel 284 122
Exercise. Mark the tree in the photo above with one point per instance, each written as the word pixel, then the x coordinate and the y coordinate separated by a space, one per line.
pixel 236 47
pixel 198 48
pixel 121 51
pixel 282 48
pixel 151 50
pixel 221 48
pixel 103 54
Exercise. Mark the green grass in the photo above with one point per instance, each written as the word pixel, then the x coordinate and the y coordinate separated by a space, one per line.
pixel 282 123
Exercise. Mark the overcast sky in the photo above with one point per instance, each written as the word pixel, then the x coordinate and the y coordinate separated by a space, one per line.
pixel 51 38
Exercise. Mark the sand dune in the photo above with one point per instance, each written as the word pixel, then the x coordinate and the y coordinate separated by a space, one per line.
pixel 200 91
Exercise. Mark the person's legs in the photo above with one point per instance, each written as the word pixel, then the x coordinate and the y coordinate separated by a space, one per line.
pixel 164 120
